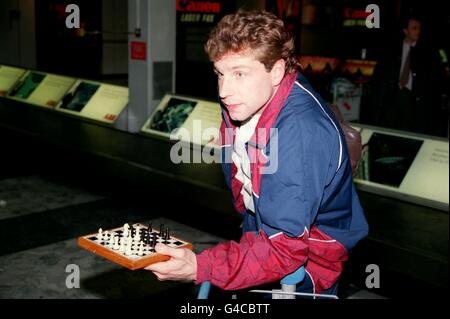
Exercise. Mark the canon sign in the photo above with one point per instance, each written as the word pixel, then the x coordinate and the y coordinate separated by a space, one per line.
pixel 350 13
pixel 198 6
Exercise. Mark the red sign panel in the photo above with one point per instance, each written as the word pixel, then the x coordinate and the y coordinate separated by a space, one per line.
pixel 138 50
pixel 198 6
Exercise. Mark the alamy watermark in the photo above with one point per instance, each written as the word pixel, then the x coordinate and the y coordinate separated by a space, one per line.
pixel 223 145
pixel 373 19
pixel 73 19
pixel 373 279
pixel 73 279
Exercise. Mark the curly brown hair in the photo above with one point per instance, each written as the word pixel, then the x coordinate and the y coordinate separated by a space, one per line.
pixel 260 31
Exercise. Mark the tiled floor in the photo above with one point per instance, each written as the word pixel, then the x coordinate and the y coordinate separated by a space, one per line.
pixel 33 194
pixel 41 219
pixel 42 272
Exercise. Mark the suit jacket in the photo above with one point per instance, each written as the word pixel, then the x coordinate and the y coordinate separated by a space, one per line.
pixel 427 82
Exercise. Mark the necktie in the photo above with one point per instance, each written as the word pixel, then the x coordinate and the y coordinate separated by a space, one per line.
pixel 405 71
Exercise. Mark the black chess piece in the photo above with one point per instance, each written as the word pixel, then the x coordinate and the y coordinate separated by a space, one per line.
pixel 149 228
pixel 167 236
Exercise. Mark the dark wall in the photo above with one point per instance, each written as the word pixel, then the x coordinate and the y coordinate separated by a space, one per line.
pixel 324 36
pixel 194 75
pixel 59 49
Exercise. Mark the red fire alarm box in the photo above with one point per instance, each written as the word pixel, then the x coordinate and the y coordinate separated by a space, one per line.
pixel 138 50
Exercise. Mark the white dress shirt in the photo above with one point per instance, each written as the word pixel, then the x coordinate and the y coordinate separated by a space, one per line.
pixel 405 52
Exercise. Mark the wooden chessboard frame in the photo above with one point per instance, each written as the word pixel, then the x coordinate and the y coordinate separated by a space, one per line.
pixel 132 264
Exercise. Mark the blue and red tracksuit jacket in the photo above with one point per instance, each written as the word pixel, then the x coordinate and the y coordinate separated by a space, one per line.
pixel 307 211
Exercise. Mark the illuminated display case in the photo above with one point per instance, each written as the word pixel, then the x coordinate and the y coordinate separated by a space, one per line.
pixel 93 100
pixel 405 166
pixel 9 76
pixel 41 89
pixel 187 119
pixel 26 85
pixel 83 98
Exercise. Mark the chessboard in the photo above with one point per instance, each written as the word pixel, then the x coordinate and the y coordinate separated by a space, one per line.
pixel 131 246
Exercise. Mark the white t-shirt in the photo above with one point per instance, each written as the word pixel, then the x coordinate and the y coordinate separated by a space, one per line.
pixel 241 160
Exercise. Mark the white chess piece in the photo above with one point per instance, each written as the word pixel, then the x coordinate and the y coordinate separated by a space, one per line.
pixel 122 245
pixel 116 243
pixel 128 250
pixel 105 236
pixel 141 249
pixel 138 233
pixel 100 234
pixel 111 241
pixel 126 228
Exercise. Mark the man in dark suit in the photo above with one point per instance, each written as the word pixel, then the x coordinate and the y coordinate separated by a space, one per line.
pixel 407 84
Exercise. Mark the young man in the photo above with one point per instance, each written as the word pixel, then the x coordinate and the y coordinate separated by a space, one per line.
pixel 303 213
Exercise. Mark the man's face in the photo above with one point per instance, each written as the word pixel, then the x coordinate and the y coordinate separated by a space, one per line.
pixel 412 33
pixel 245 86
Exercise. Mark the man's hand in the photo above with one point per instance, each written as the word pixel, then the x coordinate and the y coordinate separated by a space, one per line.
pixel 182 265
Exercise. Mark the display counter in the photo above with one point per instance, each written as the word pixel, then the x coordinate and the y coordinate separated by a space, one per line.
pixel 81 98
pixel 185 118
pixel 402 181
pixel 402 184
pixel 405 166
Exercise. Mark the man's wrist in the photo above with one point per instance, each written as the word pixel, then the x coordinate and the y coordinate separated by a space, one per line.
pixel 203 268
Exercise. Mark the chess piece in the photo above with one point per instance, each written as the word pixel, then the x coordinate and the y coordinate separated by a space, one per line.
pixel 126 228
pixel 111 241
pixel 122 245
pixel 149 229
pixel 167 235
pixel 100 234
pixel 116 243
pixel 128 249
pixel 141 248
pixel 137 236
